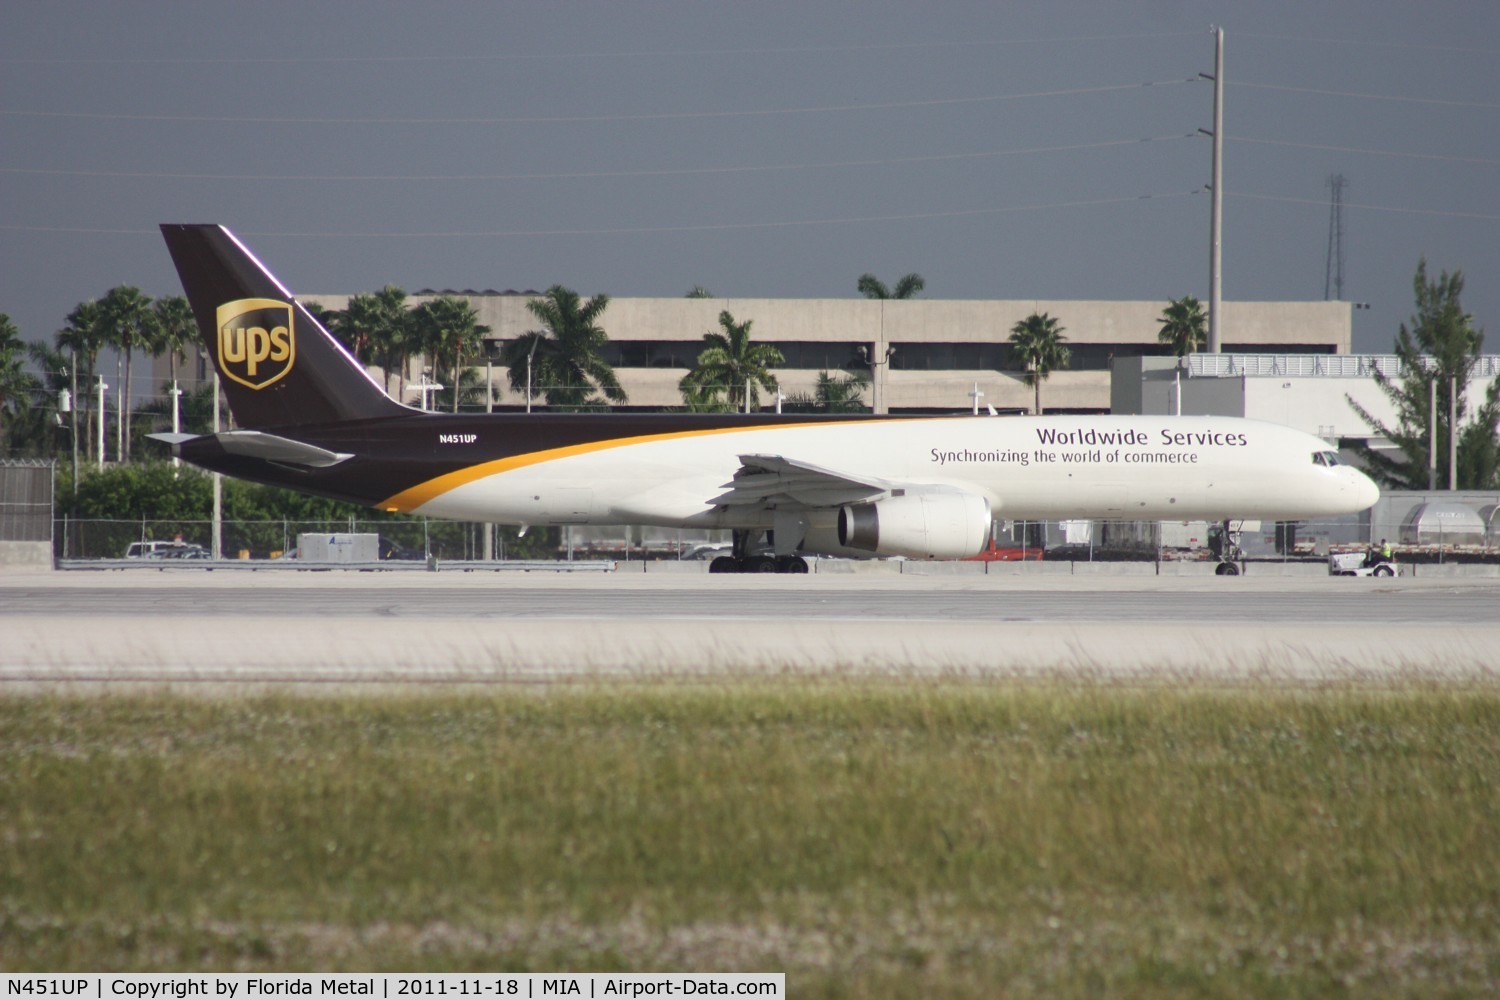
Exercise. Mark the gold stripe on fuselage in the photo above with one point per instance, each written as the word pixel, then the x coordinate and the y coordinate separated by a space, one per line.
pixel 408 500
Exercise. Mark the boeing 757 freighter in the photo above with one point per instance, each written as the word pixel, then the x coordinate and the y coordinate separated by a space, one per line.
pixel 311 419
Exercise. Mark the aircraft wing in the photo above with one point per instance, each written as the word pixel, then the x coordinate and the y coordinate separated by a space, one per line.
pixel 772 480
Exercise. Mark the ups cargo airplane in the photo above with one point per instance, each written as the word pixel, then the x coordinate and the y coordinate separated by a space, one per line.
pixel 311 419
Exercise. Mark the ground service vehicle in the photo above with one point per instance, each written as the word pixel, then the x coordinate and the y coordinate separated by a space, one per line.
pixel 1359 564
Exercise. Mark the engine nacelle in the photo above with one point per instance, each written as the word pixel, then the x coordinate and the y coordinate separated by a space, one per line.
pixel 931 524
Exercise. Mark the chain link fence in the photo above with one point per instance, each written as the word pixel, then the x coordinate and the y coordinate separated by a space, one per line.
pixel 1441 528
pixel 1077 541
pixel 26 500
pixel 415 539
pixel 26 512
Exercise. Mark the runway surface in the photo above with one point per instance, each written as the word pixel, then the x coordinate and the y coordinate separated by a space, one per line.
pixel 132 628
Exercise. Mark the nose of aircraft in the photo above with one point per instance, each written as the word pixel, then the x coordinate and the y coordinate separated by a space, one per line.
pixel 1362 489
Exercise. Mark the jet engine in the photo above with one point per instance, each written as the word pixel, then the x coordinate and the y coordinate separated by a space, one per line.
pixel 930 524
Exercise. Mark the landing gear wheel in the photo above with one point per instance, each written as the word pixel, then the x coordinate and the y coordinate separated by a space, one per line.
pixel 1227 569
pixel 760 564
pixel 791 564
pixel 724 564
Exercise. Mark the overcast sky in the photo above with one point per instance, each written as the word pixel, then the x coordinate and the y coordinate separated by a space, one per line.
pixel 1043 150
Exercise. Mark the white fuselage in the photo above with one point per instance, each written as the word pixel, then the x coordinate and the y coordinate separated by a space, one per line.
pixel 1053 467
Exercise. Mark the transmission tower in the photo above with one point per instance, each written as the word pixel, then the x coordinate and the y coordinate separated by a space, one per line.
pixel 1333 278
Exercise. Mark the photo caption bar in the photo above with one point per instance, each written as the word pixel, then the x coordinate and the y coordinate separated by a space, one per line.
pixel 389 986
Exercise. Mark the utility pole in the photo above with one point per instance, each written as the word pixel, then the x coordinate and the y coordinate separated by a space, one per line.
pixel 120 404
pixel 216 535
pixel 1453 432
pixel 1432 435
pixel 176 395
pixel 488 530
pixel 1216 188
pixel 530 356
pixel 73 415
pixel 102 388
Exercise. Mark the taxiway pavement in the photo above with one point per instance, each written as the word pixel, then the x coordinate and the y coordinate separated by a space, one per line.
pixel 129 628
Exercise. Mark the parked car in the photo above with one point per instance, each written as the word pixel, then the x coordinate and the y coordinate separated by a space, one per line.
pixel 708 551
pixel 166 550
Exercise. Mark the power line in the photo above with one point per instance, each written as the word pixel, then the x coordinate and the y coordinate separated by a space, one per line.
pixel 591 119
pixel 535 56
pixel 1370 208
pixel 1375 44
pixel 589 174
pixel 1369 97
pixel 642 230
pixel 729 226
pixel 1368 152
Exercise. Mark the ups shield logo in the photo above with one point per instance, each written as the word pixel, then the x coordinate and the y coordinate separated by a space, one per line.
pixel 257 341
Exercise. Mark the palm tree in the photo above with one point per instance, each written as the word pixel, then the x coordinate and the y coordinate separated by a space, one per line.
pixel 393 334
pixel 471 389
pixel 831 394
pixel 732 361
pixel 1036 346
pixel 329 319
pixel 564 358
pixel 128 323
pixel 16 384
pixel 699 292
pixel 447 326
pixel 872 287
pixel 355 325
pixel 82 338
pixel 1184 326
pixel 39 429
pixel 700 398
pixel 378 329
pixel 176 328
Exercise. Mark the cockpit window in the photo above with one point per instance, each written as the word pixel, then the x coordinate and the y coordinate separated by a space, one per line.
pixel 1329 458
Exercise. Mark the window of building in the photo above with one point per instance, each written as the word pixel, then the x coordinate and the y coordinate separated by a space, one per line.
pixel 808 354
pixel 1280 349
pixel 972 356
pixel 950 356
pixel 651 353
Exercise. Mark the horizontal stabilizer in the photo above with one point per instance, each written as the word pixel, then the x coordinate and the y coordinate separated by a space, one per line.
pixel 259 444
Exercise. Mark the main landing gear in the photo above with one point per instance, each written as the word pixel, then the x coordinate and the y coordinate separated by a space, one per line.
pixel 742 561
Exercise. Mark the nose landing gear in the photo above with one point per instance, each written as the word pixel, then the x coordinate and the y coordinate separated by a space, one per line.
pixel 1224 545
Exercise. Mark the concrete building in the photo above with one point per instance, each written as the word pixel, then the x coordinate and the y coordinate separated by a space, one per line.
pixel 1309 392
pixel 920 355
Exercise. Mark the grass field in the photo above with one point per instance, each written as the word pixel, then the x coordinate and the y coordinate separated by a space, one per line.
pixel 870 839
